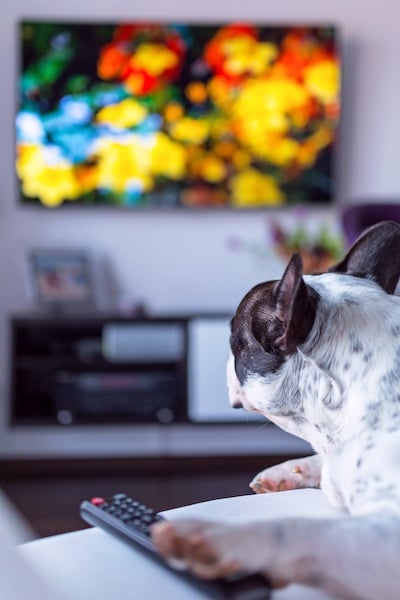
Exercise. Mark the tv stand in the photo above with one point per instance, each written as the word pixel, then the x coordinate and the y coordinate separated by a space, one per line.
pixel 70 369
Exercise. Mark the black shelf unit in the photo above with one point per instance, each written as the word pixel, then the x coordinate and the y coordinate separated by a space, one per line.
pixel 60 373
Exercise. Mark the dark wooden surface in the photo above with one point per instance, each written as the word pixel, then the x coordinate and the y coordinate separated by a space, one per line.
pixel 48 493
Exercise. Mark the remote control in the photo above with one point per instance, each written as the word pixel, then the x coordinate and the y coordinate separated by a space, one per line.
pixel 130 520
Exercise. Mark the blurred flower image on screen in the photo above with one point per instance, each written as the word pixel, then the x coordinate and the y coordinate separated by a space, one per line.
pixel 177 115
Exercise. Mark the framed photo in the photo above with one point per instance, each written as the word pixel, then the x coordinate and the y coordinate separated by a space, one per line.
pixel 61 279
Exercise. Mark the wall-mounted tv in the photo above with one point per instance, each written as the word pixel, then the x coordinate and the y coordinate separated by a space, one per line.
pixel 165 115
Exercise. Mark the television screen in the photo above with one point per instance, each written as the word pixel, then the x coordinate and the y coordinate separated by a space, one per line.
pixel 164 115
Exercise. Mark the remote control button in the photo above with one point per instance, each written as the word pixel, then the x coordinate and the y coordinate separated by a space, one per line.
pixel 97 501
pixel 125 517
pixel 147 519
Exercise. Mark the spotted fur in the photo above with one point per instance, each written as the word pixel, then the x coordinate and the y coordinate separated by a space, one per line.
pixel 320 357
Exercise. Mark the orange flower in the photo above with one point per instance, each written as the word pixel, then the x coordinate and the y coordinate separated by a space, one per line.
pixel 112 61
pixel 140 84
pixel 196 91
pixel 173 111
pixel 225 149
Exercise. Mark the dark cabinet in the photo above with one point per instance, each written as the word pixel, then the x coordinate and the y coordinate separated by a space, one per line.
pixel 98 369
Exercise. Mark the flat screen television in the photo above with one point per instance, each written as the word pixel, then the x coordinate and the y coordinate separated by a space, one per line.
pixel 172 115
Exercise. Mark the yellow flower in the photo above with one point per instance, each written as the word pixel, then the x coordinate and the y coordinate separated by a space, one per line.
pixel 46 175
pixel 252 188
pixel 154 59
pixel 323 80
pixel 126 113
pixel 265 108
pixel 167 157
pixel 212 169
pixel 29 159
pixel 124 164
pixel 270 96
pixel 281 153
pixel 244 54
pixel 190 130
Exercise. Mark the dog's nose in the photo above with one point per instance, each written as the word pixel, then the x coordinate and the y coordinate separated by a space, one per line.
pixel 237 404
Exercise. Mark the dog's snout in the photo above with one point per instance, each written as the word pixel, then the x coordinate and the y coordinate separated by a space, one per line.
pixel 237 404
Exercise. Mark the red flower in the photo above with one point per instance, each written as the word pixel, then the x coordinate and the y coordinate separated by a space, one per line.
pixel 117 59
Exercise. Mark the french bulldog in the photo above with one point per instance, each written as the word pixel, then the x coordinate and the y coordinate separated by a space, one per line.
pixel 319 356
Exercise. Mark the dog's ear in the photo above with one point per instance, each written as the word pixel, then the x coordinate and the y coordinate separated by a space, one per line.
pixel 375 255
pixel 294 308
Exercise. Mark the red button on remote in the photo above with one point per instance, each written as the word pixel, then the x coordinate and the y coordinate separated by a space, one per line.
pixel 97 501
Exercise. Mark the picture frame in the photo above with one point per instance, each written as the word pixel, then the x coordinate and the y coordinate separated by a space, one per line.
pixel 61 279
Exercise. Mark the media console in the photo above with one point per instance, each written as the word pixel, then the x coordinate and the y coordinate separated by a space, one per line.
pixel 104 369
pixel 94 369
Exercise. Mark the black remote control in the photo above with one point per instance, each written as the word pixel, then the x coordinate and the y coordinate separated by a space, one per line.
pixel 130 520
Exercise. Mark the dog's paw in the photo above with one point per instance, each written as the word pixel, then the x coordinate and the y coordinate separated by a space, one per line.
pixel 276 479
pixel 290 475
pixel 211 549
pixel 207 549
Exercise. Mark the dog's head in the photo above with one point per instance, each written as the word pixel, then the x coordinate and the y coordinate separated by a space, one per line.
pixel 293 340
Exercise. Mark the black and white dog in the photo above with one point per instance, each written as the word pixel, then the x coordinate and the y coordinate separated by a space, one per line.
pixel 319 356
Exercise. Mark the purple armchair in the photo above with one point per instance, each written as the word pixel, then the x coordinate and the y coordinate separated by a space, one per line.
pixel 358 217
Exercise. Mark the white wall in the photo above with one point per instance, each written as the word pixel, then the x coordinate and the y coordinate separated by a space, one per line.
pixel 180 261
